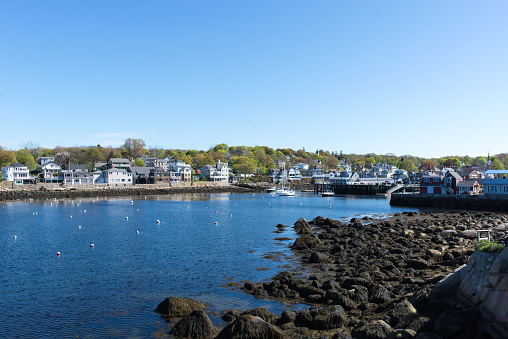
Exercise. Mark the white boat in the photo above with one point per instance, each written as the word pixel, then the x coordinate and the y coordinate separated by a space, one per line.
pixel 286 192
pixel 271 190
pixel 328 193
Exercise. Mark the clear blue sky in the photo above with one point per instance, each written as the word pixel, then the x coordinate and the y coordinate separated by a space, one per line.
pixel 426 78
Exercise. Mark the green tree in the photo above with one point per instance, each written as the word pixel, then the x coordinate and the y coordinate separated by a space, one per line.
pixel 134 147
pixel 7 157
pixel 246 167
pixel 497 165
pixel 219 147
pixel 24 157
pixel 370 161
pixel 479 161
pixel 139 162
pixel 407 165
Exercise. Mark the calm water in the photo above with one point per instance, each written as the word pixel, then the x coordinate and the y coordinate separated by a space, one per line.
pixel 112 289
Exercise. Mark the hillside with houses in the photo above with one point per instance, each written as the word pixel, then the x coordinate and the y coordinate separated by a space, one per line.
pixel 134 164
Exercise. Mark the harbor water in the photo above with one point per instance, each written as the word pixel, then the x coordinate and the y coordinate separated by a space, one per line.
pixel 120 257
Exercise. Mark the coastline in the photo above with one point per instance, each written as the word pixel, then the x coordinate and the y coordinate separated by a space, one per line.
pixel 369 278
pixel 71 192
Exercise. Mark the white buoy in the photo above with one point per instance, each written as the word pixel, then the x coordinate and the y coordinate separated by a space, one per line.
pixel 231 215
pixel 84 211
pixel 35 213
pixel 137 232
pixel 268 203
pixel 70 216
pixel 132 202
pixel 158 221
pixel 216 223
pixel 137 209
pixel 79 226
pixel 15 237
pixel 92 245
pixel 126 218
pixel 50 204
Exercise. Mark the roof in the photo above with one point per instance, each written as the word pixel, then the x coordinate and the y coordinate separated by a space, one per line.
pixel 119 160
pixel 496 172
pixel 467 183
pixel 16 164
pixel 455 175
pixel 78 166
pixel 137 171
pixel 503 181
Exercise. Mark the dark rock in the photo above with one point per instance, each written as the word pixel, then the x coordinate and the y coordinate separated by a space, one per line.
pixel 248 326
pixel 195 325
pixel 417 264
pixel 417 323
pixel 446 327
pixel 401 334
pixel 302 227
pixel 305 241
pixel 425 335
pixel 342 334
pixel 331 317
pixel 286 317
pixel 377 329
pixel 318 257
pixel 231 315
pixel 263 313
pixel 398 311
pixel 178 307
pixel 379 294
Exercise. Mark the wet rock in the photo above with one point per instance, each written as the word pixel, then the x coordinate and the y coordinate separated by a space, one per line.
pixel 231 315
pixel 377 329
pixel 417 264
pixel 379 294
pixel 417 323
pixel 262 313
pixel 195 325
pixel 286 317
pixel 318 257
pixel 399 311
pixel 302 227
pixel 330 317
pixel 446 327
pixel 178 307
pixel 248 326
pixel 304 242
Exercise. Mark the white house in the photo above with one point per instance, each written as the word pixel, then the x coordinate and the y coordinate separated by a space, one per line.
pixel 217 172
pixel 495 186
pixel 17 173
pixel 49 172
pixel 116 176
pixel 181 170
pixel 119 163
pixel 301 166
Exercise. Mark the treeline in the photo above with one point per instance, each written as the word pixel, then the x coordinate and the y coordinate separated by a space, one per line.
pixel 244 159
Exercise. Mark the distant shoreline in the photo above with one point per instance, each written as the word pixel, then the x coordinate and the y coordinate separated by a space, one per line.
pixel 37 194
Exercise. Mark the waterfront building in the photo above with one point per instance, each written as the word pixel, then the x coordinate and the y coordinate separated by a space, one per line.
pixel 49 173
pixel 17 173
pixel 437 184
pixel 469 186
pixel 218 172
pixel 120 163
pixel 45 160
pixel 142 175
pixel 116 176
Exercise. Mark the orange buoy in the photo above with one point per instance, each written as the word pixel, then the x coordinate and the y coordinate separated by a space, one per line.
pixel 57 254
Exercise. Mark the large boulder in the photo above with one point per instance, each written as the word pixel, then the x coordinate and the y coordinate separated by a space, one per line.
pixel 304 242
pixel 302 227
pixel 178 306
pixel 322 318
pixel 399 311
pixel 262 313
pixel 377 329
pixel 195 325
pixel 250 327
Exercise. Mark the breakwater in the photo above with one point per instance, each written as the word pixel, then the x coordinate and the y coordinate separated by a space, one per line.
pixel 355 189
pixel 33 193
pixel 455 202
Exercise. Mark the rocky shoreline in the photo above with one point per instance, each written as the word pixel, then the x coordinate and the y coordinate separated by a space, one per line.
pixel 368 278
pixel 42 193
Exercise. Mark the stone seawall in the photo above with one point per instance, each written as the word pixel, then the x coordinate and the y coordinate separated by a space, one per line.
pixel 122 191
pixel 455 202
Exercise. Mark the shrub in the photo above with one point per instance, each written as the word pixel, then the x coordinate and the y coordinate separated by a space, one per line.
pixel 488 246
